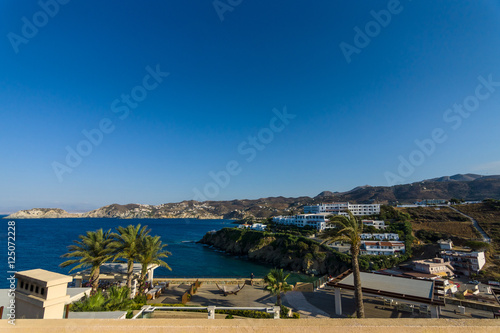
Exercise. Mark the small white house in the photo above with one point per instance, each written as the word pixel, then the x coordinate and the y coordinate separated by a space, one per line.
pixel 445 244
pixel 255 226
pixel 376 224
pixel 259 226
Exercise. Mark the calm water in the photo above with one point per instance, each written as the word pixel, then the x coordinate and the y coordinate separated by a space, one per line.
pixel 41 242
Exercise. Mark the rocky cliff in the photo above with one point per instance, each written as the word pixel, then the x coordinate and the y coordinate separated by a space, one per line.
pixel 280 250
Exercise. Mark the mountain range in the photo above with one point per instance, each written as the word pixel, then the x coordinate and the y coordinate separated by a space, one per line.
pixel 460 186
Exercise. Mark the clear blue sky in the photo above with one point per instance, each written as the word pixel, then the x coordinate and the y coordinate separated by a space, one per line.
pixel 352 120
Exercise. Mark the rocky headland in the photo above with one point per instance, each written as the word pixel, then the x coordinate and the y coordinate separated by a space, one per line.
pixel 293 253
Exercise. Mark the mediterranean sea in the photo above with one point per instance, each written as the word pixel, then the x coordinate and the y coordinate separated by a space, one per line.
pixel 40 243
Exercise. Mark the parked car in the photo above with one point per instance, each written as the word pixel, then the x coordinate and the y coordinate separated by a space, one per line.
pixel 474 282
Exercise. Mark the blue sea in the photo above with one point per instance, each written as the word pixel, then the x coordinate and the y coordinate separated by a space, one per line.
pixel 41 242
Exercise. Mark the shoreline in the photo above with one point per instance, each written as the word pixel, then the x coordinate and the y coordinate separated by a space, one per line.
pixel 116 218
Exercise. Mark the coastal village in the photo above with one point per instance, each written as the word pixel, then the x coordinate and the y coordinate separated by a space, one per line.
pixel 445 284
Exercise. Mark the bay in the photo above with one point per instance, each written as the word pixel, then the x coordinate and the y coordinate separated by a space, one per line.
pixel 40 243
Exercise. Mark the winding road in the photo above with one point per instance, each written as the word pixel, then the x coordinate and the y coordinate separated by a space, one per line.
pixel 476 225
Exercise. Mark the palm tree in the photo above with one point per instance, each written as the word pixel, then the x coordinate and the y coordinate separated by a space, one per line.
pixel 151 252
pixel 118 299
pixel 93 249
pixel 126 245
pixel 276 283
pixel 349 229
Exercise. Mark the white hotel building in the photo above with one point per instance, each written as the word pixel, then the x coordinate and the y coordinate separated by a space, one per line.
pixel 340 208
pixel 318 221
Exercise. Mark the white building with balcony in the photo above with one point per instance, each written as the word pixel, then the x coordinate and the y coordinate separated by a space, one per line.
pixel 387 236
pixel 385 248
pixel 317 221
pixel 380 225
pixel 465 263
pixel 340 208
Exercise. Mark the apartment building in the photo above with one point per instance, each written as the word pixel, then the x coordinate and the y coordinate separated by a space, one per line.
pixel 340 208
pixel 465 263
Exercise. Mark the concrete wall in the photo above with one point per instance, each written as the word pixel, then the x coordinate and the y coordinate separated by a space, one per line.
pixel 256 325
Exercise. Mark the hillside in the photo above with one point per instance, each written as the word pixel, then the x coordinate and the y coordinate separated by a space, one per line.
pixel 442 220
pixel 468 187
pixel 488 217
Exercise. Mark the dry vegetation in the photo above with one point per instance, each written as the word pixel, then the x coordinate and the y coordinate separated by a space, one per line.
pixel 458 229
pixel 442 220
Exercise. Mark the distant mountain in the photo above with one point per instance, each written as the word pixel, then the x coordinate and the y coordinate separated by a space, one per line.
pixel 462 178
pixel 468 187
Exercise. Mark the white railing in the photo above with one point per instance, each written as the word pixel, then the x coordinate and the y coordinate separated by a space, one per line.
pixel 210 309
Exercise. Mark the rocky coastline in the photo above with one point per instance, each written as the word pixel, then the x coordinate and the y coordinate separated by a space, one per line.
pixel 283 251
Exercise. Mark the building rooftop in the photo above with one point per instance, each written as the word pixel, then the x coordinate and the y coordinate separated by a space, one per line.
pixel 44 278
pixel 392 284
pixel 75 294
pixel 117 268
pixel 419 275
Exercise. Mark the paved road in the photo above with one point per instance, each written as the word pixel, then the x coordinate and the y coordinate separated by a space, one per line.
pixel 476 225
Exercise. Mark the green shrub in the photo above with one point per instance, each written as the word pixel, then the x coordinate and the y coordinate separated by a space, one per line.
pixel 475 245
pixel 115 299
pixel 246 313
pixel 284 313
